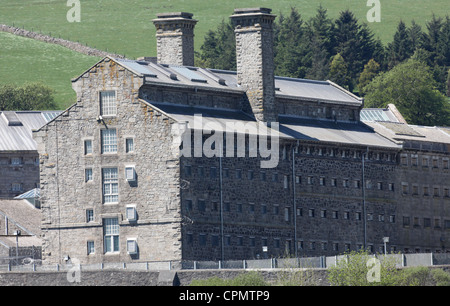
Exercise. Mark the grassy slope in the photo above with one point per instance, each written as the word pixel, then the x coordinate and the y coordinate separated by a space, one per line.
pixel 125 27
pixel 23 59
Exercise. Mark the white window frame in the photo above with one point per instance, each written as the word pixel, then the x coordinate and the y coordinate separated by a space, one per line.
pixel 130 212
pixel 90 247
pixel 132 246
pixel 109 140
pixel 130 173
pixel 88 147
pixel 129 145
pixel 108 103
pixel 88 175
pixel 111 235
pixel 110 185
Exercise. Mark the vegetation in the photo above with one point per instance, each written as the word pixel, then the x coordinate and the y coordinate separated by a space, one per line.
pixel 31 96
pixel 247 279
pixel 411 71
pixel 354 269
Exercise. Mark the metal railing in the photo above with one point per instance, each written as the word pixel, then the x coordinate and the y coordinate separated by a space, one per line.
pixel 321 262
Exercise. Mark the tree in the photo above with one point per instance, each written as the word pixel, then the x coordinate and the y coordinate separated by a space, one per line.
pixel 355 43
pixel 30 96
pixel 371 69
pixel 401 47
pixel 339 71
pixel 354 269
pixel 320 33
pixel 291 49
pixel 219 48
pixel 411 87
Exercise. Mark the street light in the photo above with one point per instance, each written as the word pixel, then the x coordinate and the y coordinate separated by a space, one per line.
pixel 385 240
pixel 17 234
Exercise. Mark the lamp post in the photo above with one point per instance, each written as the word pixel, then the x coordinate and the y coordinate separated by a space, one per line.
pixel 17 234
pixel 385 240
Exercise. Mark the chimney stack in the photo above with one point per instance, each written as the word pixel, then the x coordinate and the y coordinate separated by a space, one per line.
pixel 175 38
pixel 255 60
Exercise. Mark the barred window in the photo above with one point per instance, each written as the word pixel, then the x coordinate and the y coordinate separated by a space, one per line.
pixel 110 185
pixel 108 106
pixel 109 141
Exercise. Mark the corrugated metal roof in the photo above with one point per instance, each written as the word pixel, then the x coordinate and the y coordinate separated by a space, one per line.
pixel 219 79
pixel 289 127
pixel 19 137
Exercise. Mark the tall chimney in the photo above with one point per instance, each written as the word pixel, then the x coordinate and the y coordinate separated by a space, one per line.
pixel 175 38
pixel 254 57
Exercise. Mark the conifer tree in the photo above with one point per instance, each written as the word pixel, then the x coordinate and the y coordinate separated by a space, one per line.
pixel 320 32
pixel 291 47
pixel 371 69
pixel 401 47
pixel 339 71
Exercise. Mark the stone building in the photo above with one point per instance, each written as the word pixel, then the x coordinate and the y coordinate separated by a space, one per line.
pixel 165 161
pixel 19 159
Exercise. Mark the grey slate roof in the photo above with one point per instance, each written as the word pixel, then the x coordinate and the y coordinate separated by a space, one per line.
pixel 358 134
pixel 16 128
pixel 227 80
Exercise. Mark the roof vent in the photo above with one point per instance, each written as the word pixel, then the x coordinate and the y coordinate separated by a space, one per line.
pixel 11 118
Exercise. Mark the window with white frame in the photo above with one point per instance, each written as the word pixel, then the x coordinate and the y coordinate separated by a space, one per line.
pixel 110 185
pixel 87 147
pixel 129 145
pixel 109 141
pixel 132 246
pixel 90 247
pixel 108 105
pixel 111 234
pixel 89 215
pixel 88 175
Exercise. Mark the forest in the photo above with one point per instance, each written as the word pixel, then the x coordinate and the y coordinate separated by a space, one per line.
pixel 412 71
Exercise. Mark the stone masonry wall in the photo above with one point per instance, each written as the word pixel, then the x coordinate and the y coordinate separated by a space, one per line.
pixel 67 196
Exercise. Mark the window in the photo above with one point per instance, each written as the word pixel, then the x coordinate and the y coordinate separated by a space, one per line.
pixel 108 105
pixel 201 205
pixel 16 187
pixel 110 185
pixel 88 175
pixel 130 173
pixel 16 161
pixel 287 213
pixel 89 215
pixel 132 246
pixel 251 208
pixel 109 141
pixel 250 174
pixel 131 213
pixel 87 147
pixel 90 247
pixel 111 234
pixel 129 145
pixel 286 182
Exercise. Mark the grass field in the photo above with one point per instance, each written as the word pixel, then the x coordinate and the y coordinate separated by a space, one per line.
pixel 125 27
pixel 26 60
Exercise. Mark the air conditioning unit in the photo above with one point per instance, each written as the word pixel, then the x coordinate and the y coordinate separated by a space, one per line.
pixel 130 174
pixel 132 246
pixel 131 213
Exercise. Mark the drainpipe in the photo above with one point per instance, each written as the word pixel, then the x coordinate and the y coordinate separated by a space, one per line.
pixel 294 210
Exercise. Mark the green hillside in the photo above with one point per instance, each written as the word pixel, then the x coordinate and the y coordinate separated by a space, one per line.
pixel 125 27
pixel 26 60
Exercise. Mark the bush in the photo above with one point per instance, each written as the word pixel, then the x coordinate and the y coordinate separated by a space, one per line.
pixel 246 279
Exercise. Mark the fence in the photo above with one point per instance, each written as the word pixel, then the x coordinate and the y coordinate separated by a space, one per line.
pixel 322 262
